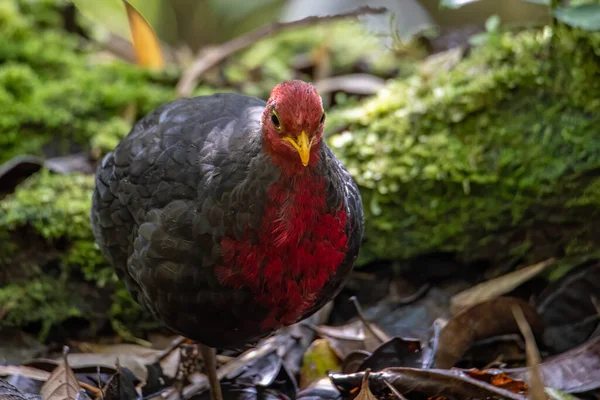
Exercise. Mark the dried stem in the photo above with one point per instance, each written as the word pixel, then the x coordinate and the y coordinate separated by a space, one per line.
pixel 366 323
pixel 211 57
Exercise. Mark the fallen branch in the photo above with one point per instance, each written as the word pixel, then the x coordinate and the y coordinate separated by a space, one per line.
pixel 213 56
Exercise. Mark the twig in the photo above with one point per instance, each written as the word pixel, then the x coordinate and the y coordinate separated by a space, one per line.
pixel 420 292
pixel 394 391
pixel 211 57
pixel 366 323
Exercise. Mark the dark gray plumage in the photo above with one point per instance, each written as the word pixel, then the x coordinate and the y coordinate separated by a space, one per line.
pixel 188 174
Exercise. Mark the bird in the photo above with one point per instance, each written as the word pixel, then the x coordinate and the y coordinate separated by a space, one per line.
pixel 228 217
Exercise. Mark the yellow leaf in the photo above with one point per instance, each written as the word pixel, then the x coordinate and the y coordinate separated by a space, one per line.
pixel 146 43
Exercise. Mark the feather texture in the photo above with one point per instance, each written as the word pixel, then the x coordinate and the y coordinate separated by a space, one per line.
pixel 190 190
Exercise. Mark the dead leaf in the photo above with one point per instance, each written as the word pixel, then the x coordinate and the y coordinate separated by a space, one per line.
pixel 433 382
pixel 121 386
pixel 347 338
pixel 496 287
pixel 62 383
pixel 322 389
pixel 9 392
pixel 365 392
pixel 498 379
pixel 397 352
pixel 318 360
pixel 131 356
pixel 575 371
pixel 484 320
pixel 145 41
pixel 353 361
pixel 567 310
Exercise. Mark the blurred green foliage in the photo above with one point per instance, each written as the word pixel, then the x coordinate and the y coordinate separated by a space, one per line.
pixel 54 96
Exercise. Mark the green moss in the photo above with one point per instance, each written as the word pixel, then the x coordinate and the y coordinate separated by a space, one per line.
pixel 56 206
pixel 54 95
pixel 51 213
pixel 43 300
pixel 486 159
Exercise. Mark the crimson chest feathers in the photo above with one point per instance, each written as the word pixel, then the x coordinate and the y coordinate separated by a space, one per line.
pixel 301 243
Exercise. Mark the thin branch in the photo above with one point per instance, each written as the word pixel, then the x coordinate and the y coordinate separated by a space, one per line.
pixel 212 57
pixel 366 323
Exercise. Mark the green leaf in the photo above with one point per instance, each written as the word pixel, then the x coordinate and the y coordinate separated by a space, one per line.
pixel 455 3
pixel 584 16
pixel 110 14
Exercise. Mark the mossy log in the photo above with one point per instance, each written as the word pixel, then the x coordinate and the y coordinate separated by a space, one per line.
pixel 495 160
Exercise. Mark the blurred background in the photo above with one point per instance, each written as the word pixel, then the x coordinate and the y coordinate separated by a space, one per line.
pixel 470 126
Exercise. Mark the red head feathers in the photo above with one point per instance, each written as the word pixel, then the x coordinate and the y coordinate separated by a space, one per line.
pixel 292 124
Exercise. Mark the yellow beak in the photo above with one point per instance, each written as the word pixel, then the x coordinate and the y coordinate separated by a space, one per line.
pixel 302 146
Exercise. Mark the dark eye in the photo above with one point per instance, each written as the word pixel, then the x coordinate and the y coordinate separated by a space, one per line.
pixel 322 118
pixel 275 121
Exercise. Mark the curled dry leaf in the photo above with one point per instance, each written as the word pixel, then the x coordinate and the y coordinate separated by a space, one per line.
pixel 353 361
pixel 134 357
pixel 396 352
pixel 575 371
pixel 484 320
pixel 351 337
pixel 433 382
pixel 496 287
pixel 322 389
pixel 121 386
pixel 365 392
pixel 62 383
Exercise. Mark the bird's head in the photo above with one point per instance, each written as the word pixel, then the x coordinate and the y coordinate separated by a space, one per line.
pixel 292 124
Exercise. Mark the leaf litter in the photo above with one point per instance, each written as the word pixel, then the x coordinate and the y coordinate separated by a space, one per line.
pixel 295 364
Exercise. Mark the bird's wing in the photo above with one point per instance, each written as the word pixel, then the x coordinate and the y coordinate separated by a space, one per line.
pixel 186 175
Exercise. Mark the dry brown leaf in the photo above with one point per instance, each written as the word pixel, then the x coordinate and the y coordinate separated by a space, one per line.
pixel 536 383
pixel 575 371
pixel 495 287
pixel 499 380
pixel 365 393
pixel 145 41
pixel 131 356
pixel 482 321
pixel 428 383
pixel 62 383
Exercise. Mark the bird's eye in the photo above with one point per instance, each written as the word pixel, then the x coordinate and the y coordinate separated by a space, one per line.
pixel 322 118
pixel 275 121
